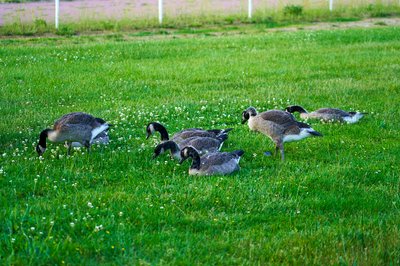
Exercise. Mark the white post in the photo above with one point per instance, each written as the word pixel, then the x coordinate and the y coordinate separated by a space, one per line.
pixel 160 11
pixel 250 7
pixel 330 5
pixel 57 12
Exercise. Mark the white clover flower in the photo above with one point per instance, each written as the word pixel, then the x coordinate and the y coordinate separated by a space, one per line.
pixel 97 228
pixel 72 224
pixel 90 205
pixel 32 228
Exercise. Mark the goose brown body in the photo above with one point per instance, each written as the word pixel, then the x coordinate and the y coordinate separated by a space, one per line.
pixel 73 127
pixel 279 126
pixel 327 114
pixel 202 144
pixel 220 163
pixel 178 137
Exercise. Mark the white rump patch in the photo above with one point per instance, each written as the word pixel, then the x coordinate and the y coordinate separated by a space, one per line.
pixel 354 118
pixel 96 131
pixel 304 133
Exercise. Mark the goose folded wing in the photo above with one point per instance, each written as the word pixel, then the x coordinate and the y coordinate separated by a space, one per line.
pixel 281 118
pixel 332 111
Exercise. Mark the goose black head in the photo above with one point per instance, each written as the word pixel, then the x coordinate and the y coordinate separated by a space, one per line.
pixel 161 148
pixel 41 147
pixel 153 127
pixel 150 129
pixel 295 108
pixel 251 111
pixel 187 152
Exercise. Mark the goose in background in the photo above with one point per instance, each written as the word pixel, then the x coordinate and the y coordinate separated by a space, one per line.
pixel 220 163
pixel 279 126
pixel 73 127
pixel 327 114
pixel 183 134
pixel 202 144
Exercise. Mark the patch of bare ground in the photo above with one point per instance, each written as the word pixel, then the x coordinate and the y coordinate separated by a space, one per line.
pixel 165 33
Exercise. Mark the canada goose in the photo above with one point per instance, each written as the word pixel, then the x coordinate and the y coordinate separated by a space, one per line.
pixel 202 144
pixel 327 114
pixel 73 127
pixel 183 134
pixel 280 126
pixel 211 163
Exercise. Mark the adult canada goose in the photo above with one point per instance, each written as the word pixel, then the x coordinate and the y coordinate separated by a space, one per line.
pixel 327 114
pixel 73 127
pixel 183 134
pixel 280 126
pixel 212 163
pixel 202 144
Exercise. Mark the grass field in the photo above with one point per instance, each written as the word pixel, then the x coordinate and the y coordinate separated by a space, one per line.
pixel 335 200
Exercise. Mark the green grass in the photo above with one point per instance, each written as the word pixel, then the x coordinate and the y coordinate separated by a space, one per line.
pixel 268 18
pixel 335 200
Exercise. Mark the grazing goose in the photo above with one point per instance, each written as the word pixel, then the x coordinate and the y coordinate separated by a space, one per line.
pixel 212 163
pixel 202 144
pixel 73 127
pixel 183 134
pixel 280 126
pixel 327 114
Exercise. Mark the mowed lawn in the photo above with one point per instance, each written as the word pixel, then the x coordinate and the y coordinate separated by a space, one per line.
pixel 335 200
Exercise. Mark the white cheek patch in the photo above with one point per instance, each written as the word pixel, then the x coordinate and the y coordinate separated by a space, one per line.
pixel 42 149
pixel 185 152
pixel 151 128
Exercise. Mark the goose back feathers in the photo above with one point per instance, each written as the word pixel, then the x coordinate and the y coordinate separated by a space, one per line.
pixel 202 144
pixel 327 114
pixel 73 127
pixel 212 163
pixel 183 134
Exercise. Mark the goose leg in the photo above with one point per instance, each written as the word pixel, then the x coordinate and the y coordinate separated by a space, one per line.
pixel 87 145
pixel 276 149
pixel 69 147
pixel 282 151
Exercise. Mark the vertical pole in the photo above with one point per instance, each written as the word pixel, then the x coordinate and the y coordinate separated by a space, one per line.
pixel 250 7
pixel 57 12
pixel 330 5
pixel 160 11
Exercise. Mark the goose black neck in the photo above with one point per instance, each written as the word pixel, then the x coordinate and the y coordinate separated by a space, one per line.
pixel 43 137
pixel 297 108
pixel 195 160
pixel 163 131
pixel 170 145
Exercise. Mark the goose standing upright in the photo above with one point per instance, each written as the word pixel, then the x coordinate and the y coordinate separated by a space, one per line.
pixel 327 114
pixel 278 125
pixel 73 127
pixel 212 163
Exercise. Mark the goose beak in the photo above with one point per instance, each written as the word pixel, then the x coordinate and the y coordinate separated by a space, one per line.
pixel 147 135
pixel 181 161
pixel 243 121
